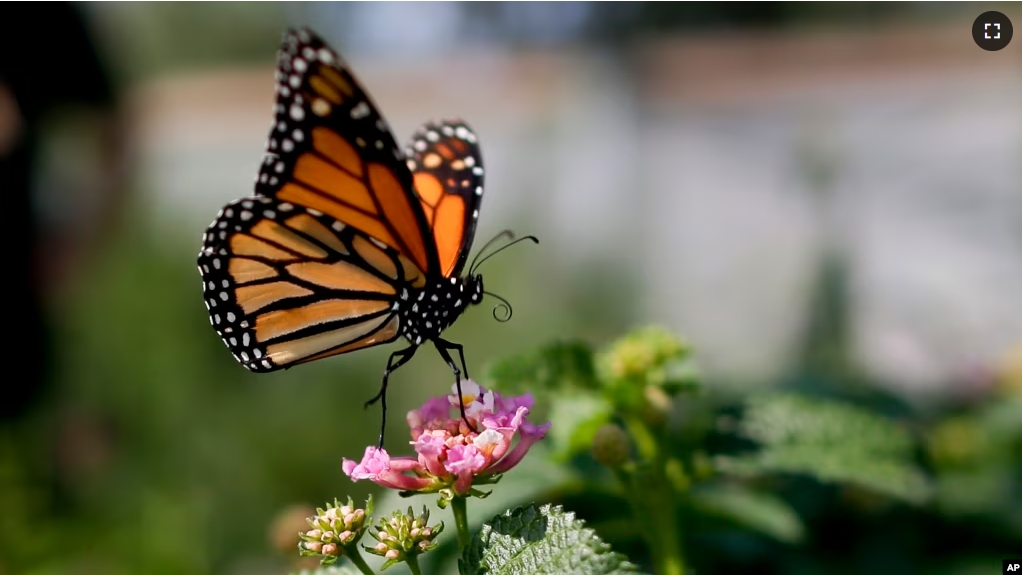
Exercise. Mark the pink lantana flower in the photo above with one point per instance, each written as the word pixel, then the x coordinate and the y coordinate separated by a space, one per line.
pixel 451 455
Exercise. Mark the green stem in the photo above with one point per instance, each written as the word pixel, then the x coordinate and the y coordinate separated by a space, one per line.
pixel 460 510
pixel 653 502
pixel 645 441
pixel 665 539
pixel 356 558
pixel 413 563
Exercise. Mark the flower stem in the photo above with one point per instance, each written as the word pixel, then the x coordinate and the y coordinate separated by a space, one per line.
pixel 645 441
pixel 356 558
pixel 665 541
pixel 413 563
pixel 460 510
pixel 653 501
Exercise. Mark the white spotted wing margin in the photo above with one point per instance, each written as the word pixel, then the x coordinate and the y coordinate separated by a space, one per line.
pixel 447 168
pixel 284 285
pixel 320 110
pixel 304 59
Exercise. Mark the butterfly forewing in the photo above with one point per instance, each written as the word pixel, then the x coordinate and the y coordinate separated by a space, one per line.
pixel 447 168
pixel 331 150
pixel 285 284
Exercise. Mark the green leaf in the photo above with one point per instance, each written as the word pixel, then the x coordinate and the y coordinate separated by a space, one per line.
pixel 560 365
pixel 831 441
pixel 976 491
pixel 578 416
pixel 888 477
pixel 539 541
pixel 682 376
pixel 342 569
pixel 790 419
pixel 754 510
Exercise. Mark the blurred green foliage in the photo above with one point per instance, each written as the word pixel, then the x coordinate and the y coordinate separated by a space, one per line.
pixel 760 480
pixel 158 454
pixel 830 441
pixel 145 41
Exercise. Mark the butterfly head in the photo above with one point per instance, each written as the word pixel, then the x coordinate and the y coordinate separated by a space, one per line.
pixel 474 282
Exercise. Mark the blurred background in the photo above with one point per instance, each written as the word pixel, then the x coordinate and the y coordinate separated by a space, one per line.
pixel 811 194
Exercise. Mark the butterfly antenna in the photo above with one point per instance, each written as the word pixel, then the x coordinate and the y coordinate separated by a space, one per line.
pixel 472 269
pixel 506 233
pixel 504 308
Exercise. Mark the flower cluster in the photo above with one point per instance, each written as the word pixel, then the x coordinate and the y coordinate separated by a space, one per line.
pixel 452 454
pixel 403 535
pixel 333 530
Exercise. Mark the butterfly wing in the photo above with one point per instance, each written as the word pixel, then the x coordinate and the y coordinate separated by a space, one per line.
pixel 447 168
pixel 285 284
pixel 330 150
pixel 314 265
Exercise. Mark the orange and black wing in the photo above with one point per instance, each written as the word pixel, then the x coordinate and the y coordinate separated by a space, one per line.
pixel 286 284
pixel 447 168
pixel 330 150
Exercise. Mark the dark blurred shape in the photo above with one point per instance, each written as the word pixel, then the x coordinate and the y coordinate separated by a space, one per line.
pixel 283 533
pixel 85 448
pixel 48 64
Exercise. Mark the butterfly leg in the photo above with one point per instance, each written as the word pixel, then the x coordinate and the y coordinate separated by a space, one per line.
pixel 461 354
pixel 402 355
pixel 442 346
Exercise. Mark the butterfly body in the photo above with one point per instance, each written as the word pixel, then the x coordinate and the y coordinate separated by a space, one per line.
pixel 427 312
pixel 349 241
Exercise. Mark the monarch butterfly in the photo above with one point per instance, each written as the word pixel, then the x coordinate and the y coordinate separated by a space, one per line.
pixel 349 242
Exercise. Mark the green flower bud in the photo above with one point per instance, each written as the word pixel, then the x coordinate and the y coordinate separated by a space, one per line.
pixel 402 535
pixel 657 407
pixel 675 473
pixel 611 446
pixel 333 530
pixel 702 466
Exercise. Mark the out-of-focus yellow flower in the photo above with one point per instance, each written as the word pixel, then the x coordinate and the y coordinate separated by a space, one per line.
pixel 639 353
pixel 1009 371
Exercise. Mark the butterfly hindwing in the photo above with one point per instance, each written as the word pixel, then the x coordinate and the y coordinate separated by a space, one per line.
pixel 286 284
pixel 331 150
pixel 447 169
